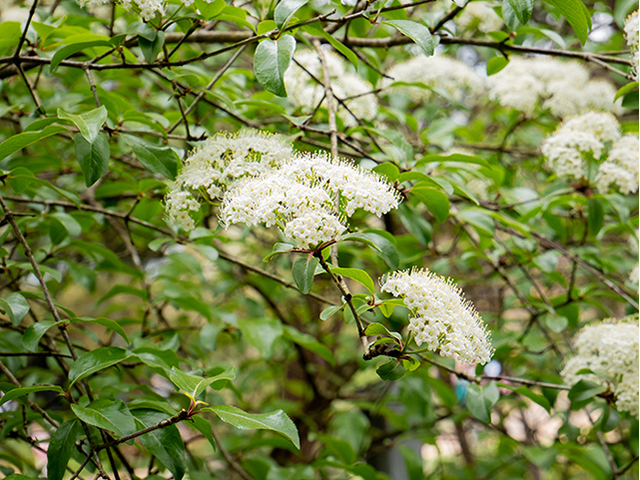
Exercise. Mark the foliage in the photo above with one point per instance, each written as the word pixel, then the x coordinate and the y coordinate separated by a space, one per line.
pixel 136 343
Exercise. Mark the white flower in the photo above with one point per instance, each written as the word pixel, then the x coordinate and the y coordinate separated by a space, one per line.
pixel 634 279
pixel 299 197
pixel 562 87
pixel 631 26
pixel 446 76
pixel 610 350
pixel 479 16
pixel 590 134
pixel 621 167
pixel 441 317
pixel 178 204
pixel 218 162
pixel 349 87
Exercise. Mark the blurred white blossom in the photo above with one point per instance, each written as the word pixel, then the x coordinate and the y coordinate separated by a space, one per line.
pixel 562 87
pixel 478 16
pixel 593 140
pixel 148 8
pixel 299 198
pixel 446 76
pixel 610 350
pixel 218 162
pixel 303 91
pixel 631 27
pixel 441 316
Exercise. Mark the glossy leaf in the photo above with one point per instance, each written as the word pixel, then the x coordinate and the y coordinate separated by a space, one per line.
pixel 93 157
pixel 162 160
pixel 22 140
pixel 416 31
pixel 358 275
pixel 164 443
pixel 277 421
pixel 88 123
pixel 303 272
pixel 21 392
pixel 61 445
pixel 96 360
pixel 285 10
pixel 108 415
pixel 271 61
pixel 15 307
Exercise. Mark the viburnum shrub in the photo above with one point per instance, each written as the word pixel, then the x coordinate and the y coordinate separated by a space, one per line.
pixel 303 240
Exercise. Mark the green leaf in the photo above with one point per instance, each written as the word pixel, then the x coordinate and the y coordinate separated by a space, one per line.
pixel 303 272
pixel 261 333
pixel 416 32
pixel 436 201
pixel 61 444
pixel 88 123
pixel 495 64
pixel 93 157
pixel 96 360
pixel 9 35
pixel 454 157
pixel 477 403
pixel 308 342
pixel 210 10
pixel 151 48
pixel 314 29
pixel 277 421
pixel 576 14
pixel 164 443
pixel 285 11
pixel 271 61
pixel 509 16
pixel 382 245
pixel 522 9
pixel 622 91
pixel 105 322
pixel 330 311
pixel 390 371
pixel 339 448
pixel 69 50
pixel 15 307
pixel 162 160
pixel 389 170
pixel 108 415
pixel 481 220
pixel 277 249
pixel 21 392
pixel 195 385
pixel 204 427
pixel 34 333
pixel 608 419
pixel 596 216
pixel 63 225
pixel 358 275
pixel 583 393
pixel 379 329
pixel 22 140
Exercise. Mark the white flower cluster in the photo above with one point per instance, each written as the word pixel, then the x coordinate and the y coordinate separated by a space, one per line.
pixel 579 139
pixel 218 162
pixel 478 16
pixel 298 198
pixel 445 76
pixel 442 318
pixel 303 91
pixel 631 28
pixel 610 350
pixel 148 8
pixel 621 166
pixel 564 88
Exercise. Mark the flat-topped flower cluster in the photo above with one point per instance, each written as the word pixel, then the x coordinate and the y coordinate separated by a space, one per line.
pixel 631 29
pixel 218 162
pixel 300 197
pixel 606 353
pixel 148 8
pixel 590 147
pixel 260 179
pixel 441 316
